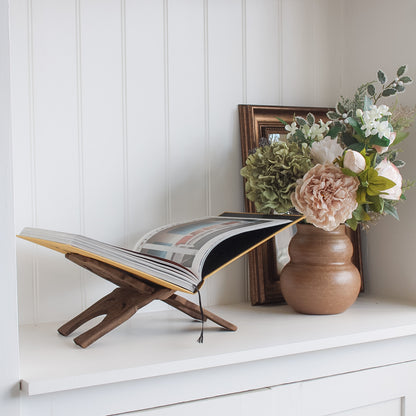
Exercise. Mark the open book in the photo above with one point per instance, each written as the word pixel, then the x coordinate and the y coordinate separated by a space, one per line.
pixel 179 256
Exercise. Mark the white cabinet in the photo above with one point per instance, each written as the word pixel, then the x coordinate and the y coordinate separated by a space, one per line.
pixel 251 403
pixel 278 363
pixel 384 391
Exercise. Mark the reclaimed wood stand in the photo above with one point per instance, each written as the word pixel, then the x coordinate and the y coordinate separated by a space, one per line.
pixel 123 302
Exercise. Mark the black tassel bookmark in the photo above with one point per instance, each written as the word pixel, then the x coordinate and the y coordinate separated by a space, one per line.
pixel 201 336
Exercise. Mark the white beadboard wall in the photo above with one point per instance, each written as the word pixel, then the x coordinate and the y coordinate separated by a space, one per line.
pixel 124 117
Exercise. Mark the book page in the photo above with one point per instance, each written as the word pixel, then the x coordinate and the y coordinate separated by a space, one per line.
pixel 189 243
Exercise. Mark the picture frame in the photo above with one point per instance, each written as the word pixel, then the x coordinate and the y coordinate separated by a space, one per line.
pixel 258 122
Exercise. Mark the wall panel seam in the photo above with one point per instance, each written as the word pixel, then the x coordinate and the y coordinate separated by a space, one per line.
pixel 80 134
pixel 33 167
pixel 206 111
pixel 126 221
pixel 244 49
pixel 280 51
pixel 167 110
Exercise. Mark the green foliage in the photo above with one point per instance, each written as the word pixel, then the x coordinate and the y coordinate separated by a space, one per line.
pixel 272 172
pixel 371 90
pixel 401 70
pixel 373 183
pixel 381 77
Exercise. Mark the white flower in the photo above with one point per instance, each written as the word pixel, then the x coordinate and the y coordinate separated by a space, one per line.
pixel 291 128
pixel 383 110
pixel 327 150
pixel 359 113
pixel 383 129
pixel 390 171
pixel 315 132
pixel 372 124
pixel 354 161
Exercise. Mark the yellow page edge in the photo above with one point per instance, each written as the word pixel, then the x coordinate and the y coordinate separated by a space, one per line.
pixel 67 248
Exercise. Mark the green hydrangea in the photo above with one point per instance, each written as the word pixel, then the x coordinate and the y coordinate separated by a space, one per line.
pixel 272 172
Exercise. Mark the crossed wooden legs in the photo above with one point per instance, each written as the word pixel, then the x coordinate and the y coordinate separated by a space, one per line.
pixel 123 302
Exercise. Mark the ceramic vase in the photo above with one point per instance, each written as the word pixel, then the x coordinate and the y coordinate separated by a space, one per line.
pixel 320 278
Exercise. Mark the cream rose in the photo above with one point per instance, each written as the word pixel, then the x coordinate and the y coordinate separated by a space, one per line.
pixel 354 161
pixel 326 196
pixel 327 150
pixel 390 171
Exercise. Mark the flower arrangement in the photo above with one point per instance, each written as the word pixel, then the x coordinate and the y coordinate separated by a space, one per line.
pixel 344 170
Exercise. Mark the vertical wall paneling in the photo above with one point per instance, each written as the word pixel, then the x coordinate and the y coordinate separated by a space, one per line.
pixel 186 109
pixel 124 87
pixel 125 118
pixel 102 115
pixel 146 113
pixel 80 144
pixel 22 154
pixel 262 48
pixel 166 108
pixel 244 50
pixel 226 90
pixel 9 358
pixel 298 52
pixel 280 58
pixel 328 52
pixel 207 138
pixel 147 118
pixel 55 148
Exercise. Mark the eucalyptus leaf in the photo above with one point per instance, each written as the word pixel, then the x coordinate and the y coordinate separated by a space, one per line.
pixel 371 90
pixel 340 108
pixel 310 119
pixel 391 210
pixel 399 163
pixel 388 92
pixel 400 88
pixel 301 121
pixel 401 70
pixel 405 80
pixel 381 77
pixel 332 115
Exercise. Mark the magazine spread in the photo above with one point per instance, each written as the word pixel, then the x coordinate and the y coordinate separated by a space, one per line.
pixel 178 256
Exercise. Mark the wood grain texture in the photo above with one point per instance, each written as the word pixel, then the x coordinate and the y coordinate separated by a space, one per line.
pixel 123 302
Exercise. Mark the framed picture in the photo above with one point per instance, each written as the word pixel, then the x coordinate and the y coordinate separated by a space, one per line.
pixel 265 263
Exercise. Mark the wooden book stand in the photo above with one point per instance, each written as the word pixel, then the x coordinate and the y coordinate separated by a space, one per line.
pixel 123 302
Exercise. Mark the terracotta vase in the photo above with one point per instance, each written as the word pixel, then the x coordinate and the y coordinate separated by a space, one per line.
pixel 320 278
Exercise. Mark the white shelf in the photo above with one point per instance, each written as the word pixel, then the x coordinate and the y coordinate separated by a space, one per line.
pixel 162 343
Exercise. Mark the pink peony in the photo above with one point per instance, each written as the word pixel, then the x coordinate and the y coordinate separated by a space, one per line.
pixel 390 171
pixel 326 196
